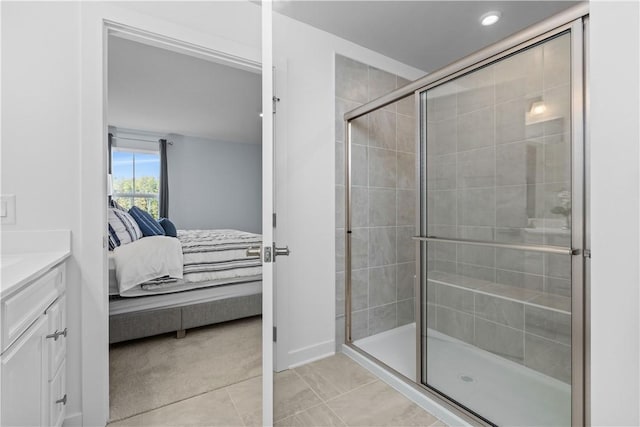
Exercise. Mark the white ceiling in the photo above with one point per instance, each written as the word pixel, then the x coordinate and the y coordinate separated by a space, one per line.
pixel 160 91
pixel 425 34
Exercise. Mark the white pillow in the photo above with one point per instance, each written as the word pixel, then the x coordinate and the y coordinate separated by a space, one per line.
pixel 123 228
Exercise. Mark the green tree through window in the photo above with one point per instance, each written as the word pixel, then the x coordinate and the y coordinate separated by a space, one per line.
pixel 136 179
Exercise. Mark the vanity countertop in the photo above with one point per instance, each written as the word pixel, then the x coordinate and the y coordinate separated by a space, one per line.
pixel 29 254
pixel 17 270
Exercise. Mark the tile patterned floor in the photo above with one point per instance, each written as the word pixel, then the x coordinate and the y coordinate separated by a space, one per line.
pixel 334 391
pixel 345 395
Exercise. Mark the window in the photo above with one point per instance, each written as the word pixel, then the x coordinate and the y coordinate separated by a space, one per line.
pixel 136 179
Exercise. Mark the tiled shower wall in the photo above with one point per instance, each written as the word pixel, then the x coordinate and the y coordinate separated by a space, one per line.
pixel 497 172
pixel 383 202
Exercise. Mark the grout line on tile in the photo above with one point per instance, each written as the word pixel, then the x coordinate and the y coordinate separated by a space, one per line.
pixel 334 413
pixel 235 407
pixel 310 387
pixel 438 420
pixel 353 390
pixel 184 399
pixel 322 401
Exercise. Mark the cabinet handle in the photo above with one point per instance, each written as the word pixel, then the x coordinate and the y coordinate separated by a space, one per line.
pixel 57 334
pixel 63 400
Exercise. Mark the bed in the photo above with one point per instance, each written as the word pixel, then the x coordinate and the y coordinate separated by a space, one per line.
pixel 161 284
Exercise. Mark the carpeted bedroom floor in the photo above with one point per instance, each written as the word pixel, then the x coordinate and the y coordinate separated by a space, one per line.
pixel 150 373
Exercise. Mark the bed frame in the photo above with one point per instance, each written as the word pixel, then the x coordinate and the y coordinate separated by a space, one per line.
pixel 133 325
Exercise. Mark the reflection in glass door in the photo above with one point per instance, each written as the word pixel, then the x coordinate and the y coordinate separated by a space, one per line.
pixel 497 199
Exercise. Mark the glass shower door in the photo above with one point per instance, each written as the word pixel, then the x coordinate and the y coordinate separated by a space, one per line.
pixel 496 257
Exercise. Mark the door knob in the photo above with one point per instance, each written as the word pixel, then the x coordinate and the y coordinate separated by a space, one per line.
pixel 254 251
pixel 280 251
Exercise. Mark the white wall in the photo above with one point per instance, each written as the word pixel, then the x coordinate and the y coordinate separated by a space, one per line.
pixel 615 278
pixel 54 143
pixel 305 173
pixel 40 139
pixel 214 184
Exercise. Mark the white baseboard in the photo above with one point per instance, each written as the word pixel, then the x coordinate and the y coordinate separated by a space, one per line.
pixel 420 399
pixel 73 420
pixel 311 353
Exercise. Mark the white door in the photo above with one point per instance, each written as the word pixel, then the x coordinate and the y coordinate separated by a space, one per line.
pixel 267 217
pixel 272 249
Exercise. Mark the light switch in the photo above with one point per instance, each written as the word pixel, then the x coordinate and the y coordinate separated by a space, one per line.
pixel 8 208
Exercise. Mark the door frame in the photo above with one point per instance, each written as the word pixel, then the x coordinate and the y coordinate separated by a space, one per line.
pixel 97 22
pixel 268 191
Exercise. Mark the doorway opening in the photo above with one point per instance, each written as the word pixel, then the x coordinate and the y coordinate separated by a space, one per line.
pixel 184 207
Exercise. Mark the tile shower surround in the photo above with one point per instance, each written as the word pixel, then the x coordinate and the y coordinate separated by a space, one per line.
pixel 525 332
pixel 383 209
pixel 491 176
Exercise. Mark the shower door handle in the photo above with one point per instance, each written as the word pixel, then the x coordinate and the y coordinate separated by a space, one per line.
pixel 560 250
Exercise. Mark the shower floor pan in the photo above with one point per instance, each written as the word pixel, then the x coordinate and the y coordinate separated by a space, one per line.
pixel 500 390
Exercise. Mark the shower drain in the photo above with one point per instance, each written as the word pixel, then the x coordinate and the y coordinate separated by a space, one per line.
pixel 467 378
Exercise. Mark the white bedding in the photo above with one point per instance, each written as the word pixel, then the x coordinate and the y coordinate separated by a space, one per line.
pixel 197 259
pixel 146 259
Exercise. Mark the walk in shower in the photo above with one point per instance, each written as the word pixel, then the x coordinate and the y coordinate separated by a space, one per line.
pixel 465 229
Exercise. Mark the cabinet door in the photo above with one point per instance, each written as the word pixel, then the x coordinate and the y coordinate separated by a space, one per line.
pixel 57 398
pixel 24 379
pixel 57 341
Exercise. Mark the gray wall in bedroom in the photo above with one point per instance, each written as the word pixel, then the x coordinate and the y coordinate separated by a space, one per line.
pixel 214 184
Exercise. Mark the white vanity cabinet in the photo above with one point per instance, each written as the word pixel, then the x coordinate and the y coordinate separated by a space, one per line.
pixel 34 351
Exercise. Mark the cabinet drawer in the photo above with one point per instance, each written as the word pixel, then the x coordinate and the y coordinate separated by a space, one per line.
pixel 57 398
pixel 56 334
pixel 22 309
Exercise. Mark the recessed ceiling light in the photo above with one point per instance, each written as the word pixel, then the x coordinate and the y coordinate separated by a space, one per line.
pixel 490 18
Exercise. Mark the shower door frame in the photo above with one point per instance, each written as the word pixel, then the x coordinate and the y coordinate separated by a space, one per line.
pixel 574 21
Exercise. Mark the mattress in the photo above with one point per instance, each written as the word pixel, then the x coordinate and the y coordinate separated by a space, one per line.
pixel 218 254
pixel 121 305
pixel 175 287
pixel 211 258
